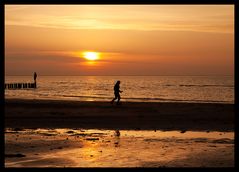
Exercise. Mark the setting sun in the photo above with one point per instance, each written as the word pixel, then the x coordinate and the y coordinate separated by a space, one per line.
pixel 91 55
pixel 77 72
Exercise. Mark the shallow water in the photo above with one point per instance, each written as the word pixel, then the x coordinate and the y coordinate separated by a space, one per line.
pixel 219 89
pixel 103 148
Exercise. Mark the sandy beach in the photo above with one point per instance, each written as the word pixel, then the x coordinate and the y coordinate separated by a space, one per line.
pixel 21 113
pixel 52 133
pixel 103 148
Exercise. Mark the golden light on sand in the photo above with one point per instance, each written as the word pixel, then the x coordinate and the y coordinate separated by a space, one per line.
pixel 91 56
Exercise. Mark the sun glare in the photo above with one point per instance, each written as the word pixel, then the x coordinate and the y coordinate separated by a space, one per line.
pixel 91 56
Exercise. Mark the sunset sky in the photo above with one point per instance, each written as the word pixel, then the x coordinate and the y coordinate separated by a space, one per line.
pixel 128 39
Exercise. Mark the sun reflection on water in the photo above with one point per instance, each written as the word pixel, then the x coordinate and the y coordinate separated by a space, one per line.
pixel 105 148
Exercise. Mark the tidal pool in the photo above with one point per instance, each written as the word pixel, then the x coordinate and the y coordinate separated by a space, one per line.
pixel 125 148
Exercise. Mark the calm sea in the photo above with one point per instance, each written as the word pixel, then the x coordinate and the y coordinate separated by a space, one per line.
pixel 135 88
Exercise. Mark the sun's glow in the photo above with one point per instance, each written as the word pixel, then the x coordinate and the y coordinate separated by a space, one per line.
pixel 91 56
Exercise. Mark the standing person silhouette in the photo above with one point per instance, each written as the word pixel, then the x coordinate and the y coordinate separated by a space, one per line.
pixel 116 92
pixel 35 77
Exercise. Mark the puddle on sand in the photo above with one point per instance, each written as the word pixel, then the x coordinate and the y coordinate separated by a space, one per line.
pixel 128 148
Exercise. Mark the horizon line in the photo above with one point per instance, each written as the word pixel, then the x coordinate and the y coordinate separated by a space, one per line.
pixel 129 75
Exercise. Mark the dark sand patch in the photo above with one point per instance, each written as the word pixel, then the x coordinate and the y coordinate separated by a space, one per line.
pixel 21 113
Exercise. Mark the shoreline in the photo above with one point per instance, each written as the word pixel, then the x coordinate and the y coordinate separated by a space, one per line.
pixel 125 99
pixel 28 113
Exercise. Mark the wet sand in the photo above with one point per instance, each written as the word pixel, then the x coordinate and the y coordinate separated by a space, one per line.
pixel 103 148
pixel 21 113
pixel 51 133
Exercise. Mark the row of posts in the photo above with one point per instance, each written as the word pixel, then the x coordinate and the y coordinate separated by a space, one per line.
pixel 20 85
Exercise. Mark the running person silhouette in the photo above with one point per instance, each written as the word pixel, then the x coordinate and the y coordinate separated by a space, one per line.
pixel 116 92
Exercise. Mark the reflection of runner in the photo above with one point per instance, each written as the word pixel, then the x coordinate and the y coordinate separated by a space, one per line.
pixel 117 138
pixel 116 92
pixel 117 132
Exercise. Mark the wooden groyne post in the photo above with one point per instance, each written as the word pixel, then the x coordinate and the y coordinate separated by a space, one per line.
pixel 20 85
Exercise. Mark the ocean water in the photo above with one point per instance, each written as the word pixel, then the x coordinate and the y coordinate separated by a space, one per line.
pixel 203 89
